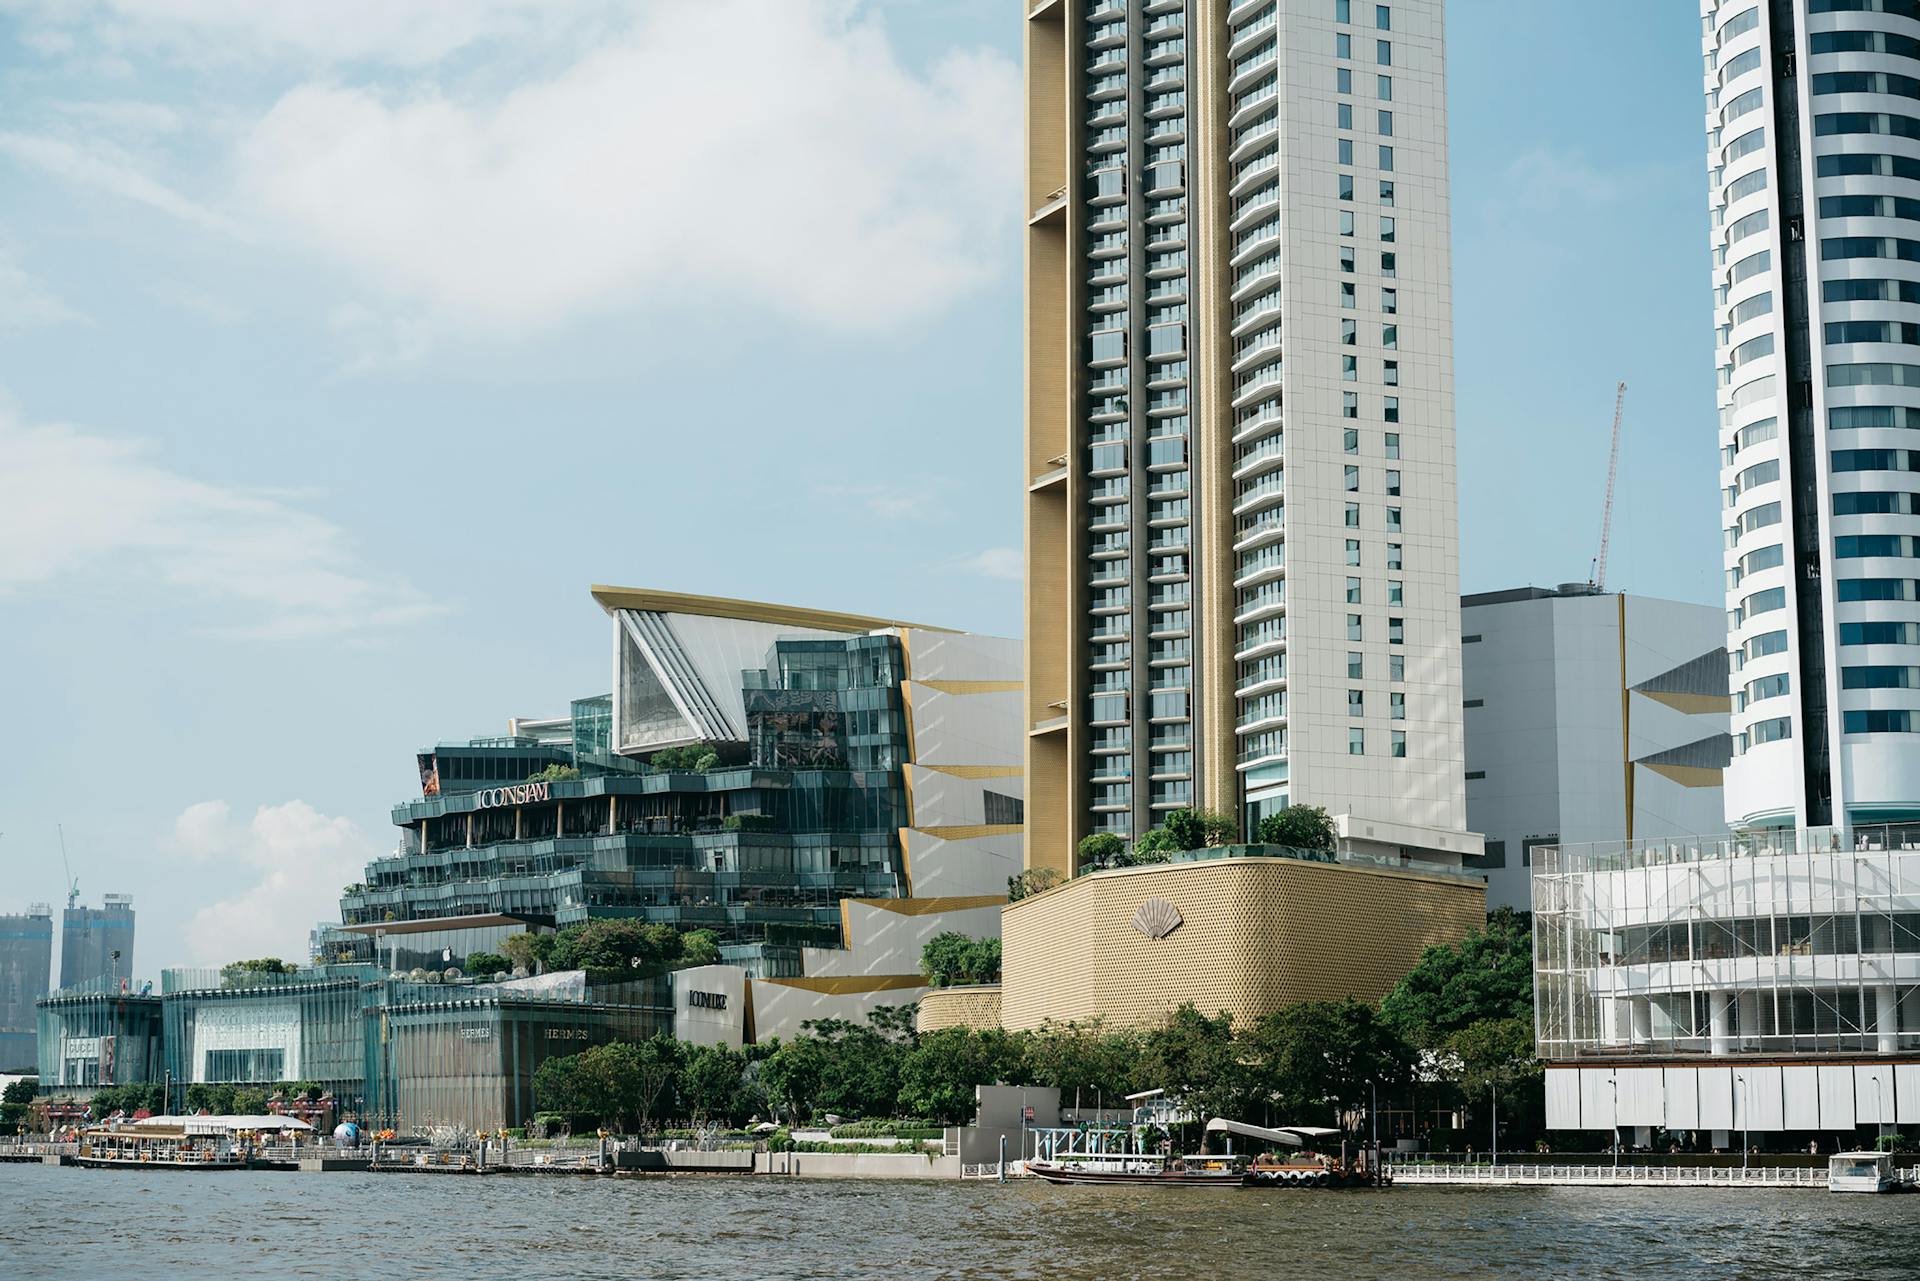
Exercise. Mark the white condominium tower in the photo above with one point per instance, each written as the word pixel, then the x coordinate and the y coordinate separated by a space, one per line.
pixel 1813 120
pixel 1242 531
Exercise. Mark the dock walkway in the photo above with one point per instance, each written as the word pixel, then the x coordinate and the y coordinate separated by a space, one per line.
pixel 1611 1176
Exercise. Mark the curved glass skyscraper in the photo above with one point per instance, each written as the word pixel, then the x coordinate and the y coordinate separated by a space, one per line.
pixel 1813 118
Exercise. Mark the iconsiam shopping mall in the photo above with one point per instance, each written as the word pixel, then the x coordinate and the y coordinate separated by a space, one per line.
pixel 1763 984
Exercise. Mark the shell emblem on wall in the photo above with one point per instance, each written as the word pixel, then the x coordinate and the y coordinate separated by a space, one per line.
pixel 1156 918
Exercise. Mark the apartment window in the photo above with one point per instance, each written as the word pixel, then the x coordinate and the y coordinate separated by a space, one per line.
pixel 1383 88
pixel 1386 160
pixel 1343 45
pixel 1393 444
pixel 1386 231
pixel 1353 516
pixel 1383 52
pixel 1350 368
pixel 1346 222
pixel 1386 192
pixel 1390 337
pixel 1353 627
pixel 1356 702
pixel 1391 410
pixel 1390 301
pixel 1353 591
pixel 1383 17
pixel 1350 407
pixel 1396 667
pixel 1396 631
pixel 1356 665
pixel 1396 592
pixel 1352 482
pixel 1393 520
pixel 1393 484
pixel 1347 299
pixel 1343 115
pixel 1396 706
pixel 1343 10
pixel 1343 79
pixel 1394 555
pixel 1346 257
pixel 1349 332
pixel 1350 438
pixel 1346 186
pixel 1356 742
pixel 1386 124
pixel 1345 151
pixel 1398 742
pixel 1389 265
pixel 1390 372
pixel 1353 552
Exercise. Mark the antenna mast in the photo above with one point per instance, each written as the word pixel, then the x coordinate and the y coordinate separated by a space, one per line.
pixel 1599 579
pixel 73 883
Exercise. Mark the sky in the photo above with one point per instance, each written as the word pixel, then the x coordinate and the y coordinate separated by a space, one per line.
pixel 342 347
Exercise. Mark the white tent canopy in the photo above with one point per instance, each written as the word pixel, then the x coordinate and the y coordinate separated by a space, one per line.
pixel 224 1124
pixel 1294 1136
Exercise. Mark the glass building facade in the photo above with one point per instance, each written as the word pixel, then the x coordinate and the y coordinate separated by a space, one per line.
pixel 26 964
pixel 265 1029
pixel 97 942
pixel 93 1034
pixel 760 846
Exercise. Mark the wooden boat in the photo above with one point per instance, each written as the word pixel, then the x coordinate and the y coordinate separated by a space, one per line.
pixel 158 1147
pixel 1141 1169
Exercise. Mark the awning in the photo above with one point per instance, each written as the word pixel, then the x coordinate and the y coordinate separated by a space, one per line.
pixel 1294 1136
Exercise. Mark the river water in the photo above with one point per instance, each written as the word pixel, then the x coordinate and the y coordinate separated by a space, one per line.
pixel 158 1225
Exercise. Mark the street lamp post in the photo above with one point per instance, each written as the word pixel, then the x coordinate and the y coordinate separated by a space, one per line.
pixel 1746 1120
pixel 1614 1081
pixel 1496 1123
pixel 1373 1127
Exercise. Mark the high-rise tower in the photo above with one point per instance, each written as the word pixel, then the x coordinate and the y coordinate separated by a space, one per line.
pixel 97 942
pixel 1814 159
pixel 1242 528
pixel 26 964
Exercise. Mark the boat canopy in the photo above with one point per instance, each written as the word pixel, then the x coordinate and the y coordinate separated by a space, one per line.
pixel 1294 1136
pixel 219 1124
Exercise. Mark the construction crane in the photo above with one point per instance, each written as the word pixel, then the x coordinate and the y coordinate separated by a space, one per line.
pixel 73 882
pixel 1598 582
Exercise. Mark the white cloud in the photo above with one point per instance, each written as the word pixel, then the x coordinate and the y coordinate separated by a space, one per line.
pixel 25 303
pixel 215 32
pixel 110 171
pixel 286 867
pixel 375 340
pixel 1005 563
pixel 778 155
pixel 74 504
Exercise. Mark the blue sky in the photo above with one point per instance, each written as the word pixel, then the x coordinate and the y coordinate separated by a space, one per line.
pixel 340 351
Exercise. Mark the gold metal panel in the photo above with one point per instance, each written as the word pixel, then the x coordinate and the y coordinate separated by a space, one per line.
pixel 1256 935
pixel 612 598
pixel 976 1007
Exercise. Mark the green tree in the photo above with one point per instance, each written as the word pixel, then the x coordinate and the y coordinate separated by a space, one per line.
pixel 1087 1059
pixel 1101 849
pixel 486 964
pixel 240 973
pixel 1197 828
pixel 951 958
pixel 564 1085
pixel 1304 827
pixel 1035 880
pixel 555 773
pixel 938 1076
pixel 529 950
pixel 15 1102
pixel 249 1101
pixel 711 1085
pixel 698 947
pixel 1157 846
pixel 1314 1060
pixel 1487 975
pixel 792 1073
pixel 1193 1057
pixel 699 757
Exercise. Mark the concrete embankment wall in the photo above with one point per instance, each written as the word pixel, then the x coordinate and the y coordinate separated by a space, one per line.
pixel 844 1165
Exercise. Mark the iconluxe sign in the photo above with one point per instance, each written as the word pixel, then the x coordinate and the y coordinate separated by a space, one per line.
pixel 706 1000
pixel 517 794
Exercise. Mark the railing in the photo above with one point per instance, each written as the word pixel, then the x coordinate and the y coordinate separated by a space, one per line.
pixel 1613 1175
pixel 31 1149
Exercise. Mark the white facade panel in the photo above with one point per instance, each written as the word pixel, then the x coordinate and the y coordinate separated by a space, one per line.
pixel 1873 1094
pixel 1563 1099
pixel 1643 1096
pixel 1906 1091
pixel 1800 1086
pixel 1598 1107
pixel 1716 1098
pixel 1837 1110
pixel 1683 1098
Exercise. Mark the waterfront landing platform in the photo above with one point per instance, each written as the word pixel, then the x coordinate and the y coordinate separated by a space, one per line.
pixel 1612 1176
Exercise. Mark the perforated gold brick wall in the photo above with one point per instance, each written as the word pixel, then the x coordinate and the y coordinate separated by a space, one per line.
pixel 1256 934
pixel 975 1007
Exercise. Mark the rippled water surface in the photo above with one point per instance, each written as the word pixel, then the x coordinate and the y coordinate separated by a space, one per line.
pixel 153 1226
